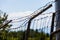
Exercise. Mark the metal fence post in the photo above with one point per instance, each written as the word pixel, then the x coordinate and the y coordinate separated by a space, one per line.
pixel 25 36
pixel 52 26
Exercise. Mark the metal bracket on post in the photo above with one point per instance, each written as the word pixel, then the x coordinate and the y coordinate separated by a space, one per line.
pixel 25 36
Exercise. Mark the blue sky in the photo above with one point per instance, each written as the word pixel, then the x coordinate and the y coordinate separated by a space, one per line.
pixel 20 8
pixel 21 5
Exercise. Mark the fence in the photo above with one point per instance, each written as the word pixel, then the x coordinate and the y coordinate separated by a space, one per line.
pixel 32 28
pixel 39 27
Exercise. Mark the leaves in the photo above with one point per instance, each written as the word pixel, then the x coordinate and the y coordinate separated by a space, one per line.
pixel 3 20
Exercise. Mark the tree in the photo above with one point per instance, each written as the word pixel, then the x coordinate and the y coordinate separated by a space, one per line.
pixel 3 29
pixel 3 20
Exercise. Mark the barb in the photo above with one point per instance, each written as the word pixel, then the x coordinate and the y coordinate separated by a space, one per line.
pixel 37 11
pixel 24 23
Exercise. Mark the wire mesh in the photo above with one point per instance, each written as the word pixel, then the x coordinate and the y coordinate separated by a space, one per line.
pixel 40 29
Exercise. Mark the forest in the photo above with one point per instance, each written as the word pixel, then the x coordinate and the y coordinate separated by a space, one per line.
pixel 6 34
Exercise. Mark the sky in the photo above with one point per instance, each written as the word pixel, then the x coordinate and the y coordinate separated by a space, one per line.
pixel 10 6
pixel 20 8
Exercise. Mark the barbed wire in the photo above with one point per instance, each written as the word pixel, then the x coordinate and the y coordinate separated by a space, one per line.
pixel 35 20
pixel 29 16
pixel 28 19
pixel 41 14
pixel 26 23
pixel 19 20
pixel 38 10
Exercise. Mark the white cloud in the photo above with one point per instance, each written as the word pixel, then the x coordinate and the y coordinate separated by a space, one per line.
pixel 16 15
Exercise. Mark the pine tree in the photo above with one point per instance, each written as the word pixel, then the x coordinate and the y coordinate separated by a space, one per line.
pixel 4 26
pixel 3 20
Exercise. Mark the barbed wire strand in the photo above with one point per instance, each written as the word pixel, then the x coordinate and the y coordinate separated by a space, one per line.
pixel 29 16
pixel 35 11
pixel 21 25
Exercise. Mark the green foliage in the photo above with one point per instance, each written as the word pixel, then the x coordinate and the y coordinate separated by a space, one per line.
pixel 35 35
pixel 3 20
pixel 3 29
pixel 13 35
